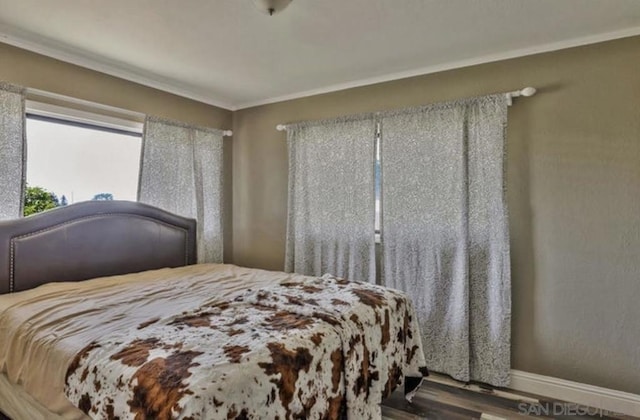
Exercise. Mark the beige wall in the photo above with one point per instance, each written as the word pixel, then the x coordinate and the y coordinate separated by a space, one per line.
pixel 39 72
pixel 573 186
pixel 573 192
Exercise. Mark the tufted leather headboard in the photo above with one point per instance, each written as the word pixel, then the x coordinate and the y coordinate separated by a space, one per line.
pixel 92 239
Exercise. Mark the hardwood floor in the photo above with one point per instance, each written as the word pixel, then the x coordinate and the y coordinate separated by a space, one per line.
pixel 442 398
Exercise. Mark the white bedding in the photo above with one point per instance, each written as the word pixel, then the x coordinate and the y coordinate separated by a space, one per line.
pixel 40 368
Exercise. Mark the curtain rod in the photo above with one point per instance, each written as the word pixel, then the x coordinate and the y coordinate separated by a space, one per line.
pixel 528 91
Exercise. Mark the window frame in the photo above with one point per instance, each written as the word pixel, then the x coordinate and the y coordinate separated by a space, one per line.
pixel 377 183
pixel 132 126
pixel 87 119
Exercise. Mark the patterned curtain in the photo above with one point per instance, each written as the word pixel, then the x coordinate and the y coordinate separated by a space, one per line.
pixel 13 150
pixel 181 172
pixel 445 236
pixel 330 227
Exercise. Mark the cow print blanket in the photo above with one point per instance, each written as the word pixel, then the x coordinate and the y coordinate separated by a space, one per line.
pixel 313 348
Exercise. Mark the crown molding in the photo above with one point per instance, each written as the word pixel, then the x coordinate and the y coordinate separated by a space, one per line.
pixel 81 58
pixel 522 52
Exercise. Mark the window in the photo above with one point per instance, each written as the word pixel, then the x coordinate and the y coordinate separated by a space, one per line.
pixel 378 184
pixel 69 161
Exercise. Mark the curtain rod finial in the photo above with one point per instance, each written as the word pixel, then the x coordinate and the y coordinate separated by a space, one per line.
pixel 528 91
pixel 281 127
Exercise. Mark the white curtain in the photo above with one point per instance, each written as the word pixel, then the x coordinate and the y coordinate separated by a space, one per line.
pixel 13 150
pixel 181 172
pixel 445 236
pixel 330 225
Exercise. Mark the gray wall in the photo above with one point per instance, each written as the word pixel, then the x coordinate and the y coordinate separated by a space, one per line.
pixel 573 191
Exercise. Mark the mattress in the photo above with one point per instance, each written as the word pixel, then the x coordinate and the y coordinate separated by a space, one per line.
pixel 17 404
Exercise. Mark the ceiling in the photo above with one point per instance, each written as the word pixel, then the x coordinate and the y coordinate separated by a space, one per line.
pixel 227 53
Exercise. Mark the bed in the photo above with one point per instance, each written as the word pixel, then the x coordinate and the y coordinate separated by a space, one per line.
pixel 104 314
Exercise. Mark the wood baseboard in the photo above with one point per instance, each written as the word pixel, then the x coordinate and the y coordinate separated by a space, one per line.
pixel 589 395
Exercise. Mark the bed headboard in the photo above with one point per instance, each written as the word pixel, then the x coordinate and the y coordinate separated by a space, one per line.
pixel 92 239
